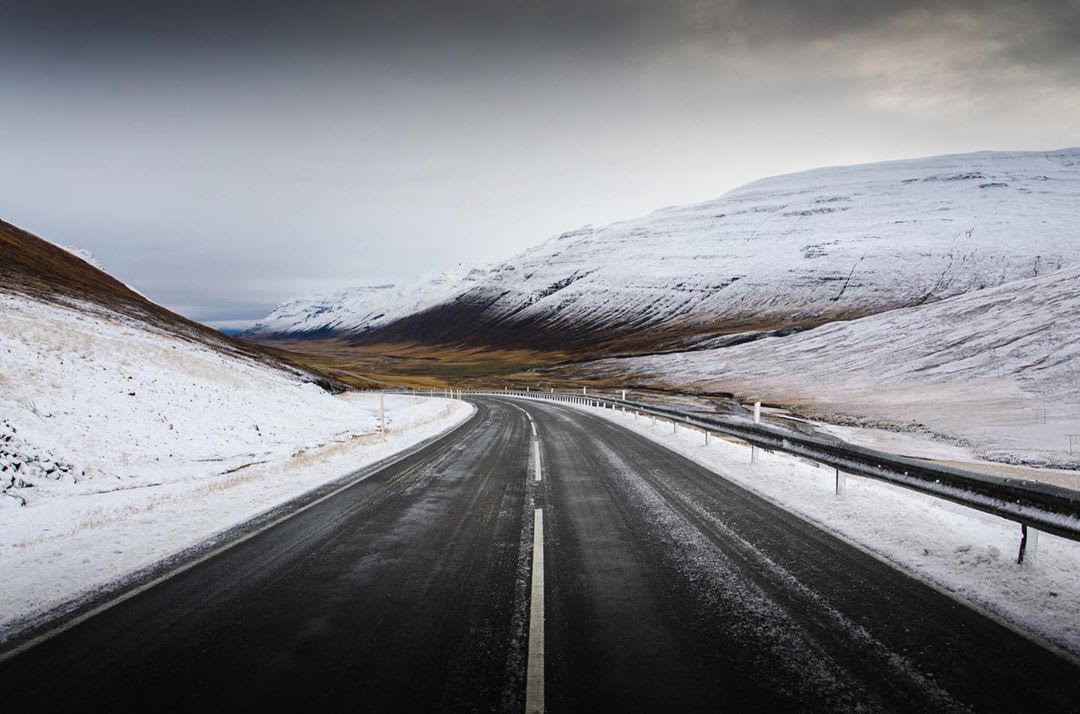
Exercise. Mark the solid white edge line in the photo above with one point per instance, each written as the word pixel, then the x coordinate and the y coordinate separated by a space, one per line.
pixel 534 673
pixel 64 627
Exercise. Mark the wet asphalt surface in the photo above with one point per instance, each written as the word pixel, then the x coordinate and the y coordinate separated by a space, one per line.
pixel 666 589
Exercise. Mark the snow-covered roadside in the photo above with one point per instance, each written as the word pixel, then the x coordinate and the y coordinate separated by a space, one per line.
pixel 967 553
pixel 63 547
pixel 122 444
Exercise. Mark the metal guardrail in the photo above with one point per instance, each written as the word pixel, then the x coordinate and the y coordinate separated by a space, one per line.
pixel 1042 506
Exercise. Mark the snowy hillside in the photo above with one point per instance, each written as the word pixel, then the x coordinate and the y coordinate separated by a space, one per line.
pixel 128 404
pixel 128 433
pixel 997 368
pixel 367 307
pixel 790 250
pixel 122 444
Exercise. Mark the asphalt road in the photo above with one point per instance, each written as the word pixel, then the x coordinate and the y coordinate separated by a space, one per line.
pixel 664 588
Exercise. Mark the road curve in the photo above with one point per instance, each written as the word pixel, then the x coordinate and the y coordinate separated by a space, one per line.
pixel 665 588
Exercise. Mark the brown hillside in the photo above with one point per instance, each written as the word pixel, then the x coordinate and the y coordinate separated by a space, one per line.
pixel 37 268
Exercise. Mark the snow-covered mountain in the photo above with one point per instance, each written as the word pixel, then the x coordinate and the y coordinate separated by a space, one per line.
pixel 795 250
pixel 365 307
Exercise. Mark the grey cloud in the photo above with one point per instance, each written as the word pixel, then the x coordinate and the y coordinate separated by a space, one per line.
pixel 223 156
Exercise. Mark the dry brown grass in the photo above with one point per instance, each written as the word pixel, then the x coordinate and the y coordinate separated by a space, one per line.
pixel 413 365
pixel 367 362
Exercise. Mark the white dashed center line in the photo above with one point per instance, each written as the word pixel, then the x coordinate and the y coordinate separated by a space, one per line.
pixel 534 675
pixel 536 460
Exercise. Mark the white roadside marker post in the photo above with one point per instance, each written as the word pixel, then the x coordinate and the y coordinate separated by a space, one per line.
pixel 624 395
pixel 382 415
pixel 757 420
pixel 841 483
pixel 1029 544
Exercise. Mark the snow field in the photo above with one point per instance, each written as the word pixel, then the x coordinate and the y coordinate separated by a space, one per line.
pixel 966 553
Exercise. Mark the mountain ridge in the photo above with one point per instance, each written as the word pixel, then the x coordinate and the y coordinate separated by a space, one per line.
pixel 784 252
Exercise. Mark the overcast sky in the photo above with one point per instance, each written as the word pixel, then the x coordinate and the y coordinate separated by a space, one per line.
pixel 222 159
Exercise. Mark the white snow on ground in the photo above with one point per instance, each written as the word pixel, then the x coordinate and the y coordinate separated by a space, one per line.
pixel 898 442
pixel 964 552
pixel 997 369
pixel 832 241
pixel 128 445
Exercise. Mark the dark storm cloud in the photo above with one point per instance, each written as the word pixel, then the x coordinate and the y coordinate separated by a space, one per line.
pixel 320 27
pixel 247 24
pixel 222 156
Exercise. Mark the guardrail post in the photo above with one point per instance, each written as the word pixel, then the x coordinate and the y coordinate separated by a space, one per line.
pixel 753 454
pixel 1029 544
pixel 841 483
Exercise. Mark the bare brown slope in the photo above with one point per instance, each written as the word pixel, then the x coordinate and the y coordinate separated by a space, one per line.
pixel 37 268
pixel 463 342
pixel 469 323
